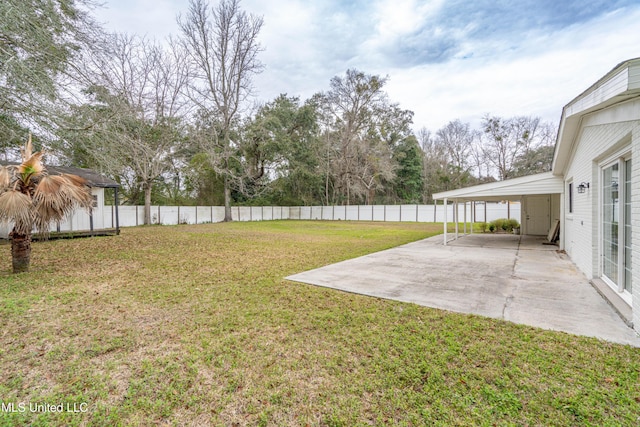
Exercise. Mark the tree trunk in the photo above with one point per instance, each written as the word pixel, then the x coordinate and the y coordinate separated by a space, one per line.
pixel 20 252
pixel 227 201
pixel 147 204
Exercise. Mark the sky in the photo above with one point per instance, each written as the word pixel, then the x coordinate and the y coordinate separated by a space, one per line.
pixel 445 59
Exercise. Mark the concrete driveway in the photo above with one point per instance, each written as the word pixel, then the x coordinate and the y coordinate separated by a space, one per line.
pixel 515 278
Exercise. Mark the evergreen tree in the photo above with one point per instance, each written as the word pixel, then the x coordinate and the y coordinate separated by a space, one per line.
pixel 409 178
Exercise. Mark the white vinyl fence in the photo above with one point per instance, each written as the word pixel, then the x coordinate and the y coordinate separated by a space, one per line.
pixel 131 216
pixel 171 215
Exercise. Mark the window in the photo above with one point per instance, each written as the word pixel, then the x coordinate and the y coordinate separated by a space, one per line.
pixel 571 197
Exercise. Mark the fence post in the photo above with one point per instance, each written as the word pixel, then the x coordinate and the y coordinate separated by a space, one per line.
pixel 384 215
pixel 417 212
pixel 401 212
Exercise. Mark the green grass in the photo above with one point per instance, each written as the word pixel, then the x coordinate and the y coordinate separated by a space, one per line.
pixel 195 325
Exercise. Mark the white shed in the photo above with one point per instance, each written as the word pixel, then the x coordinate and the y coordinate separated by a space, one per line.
pixel 82 223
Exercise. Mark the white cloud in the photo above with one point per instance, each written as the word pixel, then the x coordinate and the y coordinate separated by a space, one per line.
pixel 538 78
pixel 151 18
pixel 444 62
pixel 400 17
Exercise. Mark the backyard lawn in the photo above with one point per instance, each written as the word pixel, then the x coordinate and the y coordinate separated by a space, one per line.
pixel 195 325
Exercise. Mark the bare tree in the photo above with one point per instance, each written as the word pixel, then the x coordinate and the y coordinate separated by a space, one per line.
pixel 434 163
pixel 539 155
pixel 478 159
pixel 223 46
pixel 507 140
pixel 360 130
pixel 457 139
pixel 135 111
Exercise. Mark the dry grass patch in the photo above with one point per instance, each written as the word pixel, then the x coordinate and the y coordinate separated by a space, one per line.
pixel 194 325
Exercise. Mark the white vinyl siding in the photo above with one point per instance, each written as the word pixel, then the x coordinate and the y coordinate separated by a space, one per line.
pixel 581 226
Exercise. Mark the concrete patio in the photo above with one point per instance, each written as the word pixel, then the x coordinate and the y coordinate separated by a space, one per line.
pixel 515 278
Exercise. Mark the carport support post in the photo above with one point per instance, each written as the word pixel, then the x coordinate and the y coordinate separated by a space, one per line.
pixel 473 214
pixel 445 221
pixel 465 217
pixel 456 216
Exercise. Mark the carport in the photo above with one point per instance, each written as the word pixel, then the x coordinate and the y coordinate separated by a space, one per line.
pixel 540 197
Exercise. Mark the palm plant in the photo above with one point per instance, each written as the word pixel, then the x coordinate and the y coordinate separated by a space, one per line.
pixel 31 199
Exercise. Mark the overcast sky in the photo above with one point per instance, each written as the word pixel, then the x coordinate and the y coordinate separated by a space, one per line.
pixel 446 60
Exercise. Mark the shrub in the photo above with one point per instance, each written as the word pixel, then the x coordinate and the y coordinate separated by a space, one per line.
pixel 513 223
pixel 504 224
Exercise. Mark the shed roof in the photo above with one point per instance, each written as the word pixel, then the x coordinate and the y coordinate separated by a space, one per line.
pixel 94 179
pixel 509 189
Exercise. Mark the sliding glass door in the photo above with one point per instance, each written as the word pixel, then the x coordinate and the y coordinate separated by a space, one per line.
pixel 616 225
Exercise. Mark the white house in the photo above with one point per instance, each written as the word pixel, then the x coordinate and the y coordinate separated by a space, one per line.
pixel 593 189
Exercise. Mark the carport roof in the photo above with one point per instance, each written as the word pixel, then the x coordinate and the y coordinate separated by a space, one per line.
pixel 509 189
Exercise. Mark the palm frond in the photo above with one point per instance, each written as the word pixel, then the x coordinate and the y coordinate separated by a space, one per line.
pixel 78 190
pixel 27 150
pixel 75 179
pixel 31 167
pixel 57 196
pixel 5 178
pixel 51 200
pixel 17 208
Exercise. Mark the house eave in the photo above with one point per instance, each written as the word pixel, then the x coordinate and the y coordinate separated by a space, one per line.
pixel 616 87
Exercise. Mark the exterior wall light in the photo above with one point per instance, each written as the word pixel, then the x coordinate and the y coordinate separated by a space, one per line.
pixel 583 187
